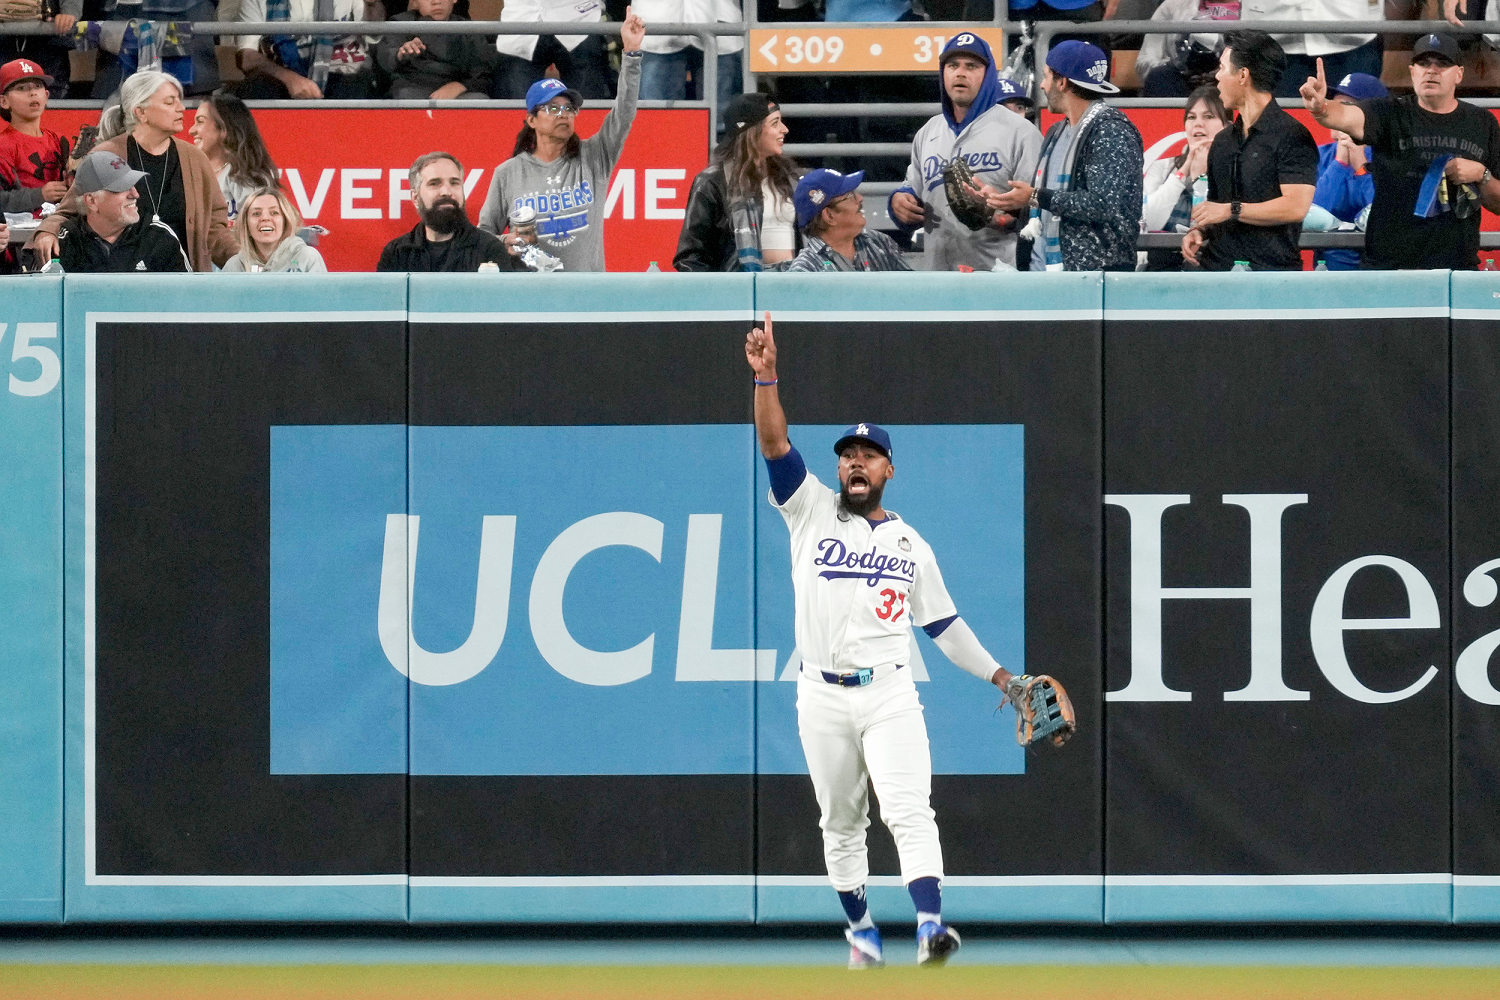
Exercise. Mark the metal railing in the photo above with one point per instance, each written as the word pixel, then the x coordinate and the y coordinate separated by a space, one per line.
pixel 708 35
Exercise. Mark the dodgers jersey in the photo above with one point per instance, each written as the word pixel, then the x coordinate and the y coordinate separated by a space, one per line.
pixel 857 587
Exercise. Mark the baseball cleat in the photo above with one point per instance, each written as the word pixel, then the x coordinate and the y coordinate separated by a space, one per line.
pixel 864 949
pixel 936 943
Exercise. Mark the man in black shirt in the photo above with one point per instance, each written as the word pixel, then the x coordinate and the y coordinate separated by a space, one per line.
pixel 444 239
pixel 1261 170
pixel 1435 162
pixel 110 235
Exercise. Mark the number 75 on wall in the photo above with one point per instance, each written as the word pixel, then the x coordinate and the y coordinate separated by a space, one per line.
pixel 46 370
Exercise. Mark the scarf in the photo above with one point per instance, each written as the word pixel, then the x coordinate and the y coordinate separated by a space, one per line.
pixel 284 50
pixel 141 45
pixel 745 216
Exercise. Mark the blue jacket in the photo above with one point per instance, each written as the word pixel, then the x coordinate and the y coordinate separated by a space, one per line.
pixel 1344 195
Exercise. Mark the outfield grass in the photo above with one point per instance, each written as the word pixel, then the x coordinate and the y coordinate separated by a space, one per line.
pixel 508 982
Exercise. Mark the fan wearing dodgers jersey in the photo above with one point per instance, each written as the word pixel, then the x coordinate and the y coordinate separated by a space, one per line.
pixel 998 146
pixel 860 577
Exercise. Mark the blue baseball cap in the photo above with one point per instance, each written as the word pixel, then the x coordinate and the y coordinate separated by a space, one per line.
pixel 1083 64
pixel 966 42
pixel 869 433
pixel 817 188
pixel 544 90
pixel 1360 86
pixel 1010 90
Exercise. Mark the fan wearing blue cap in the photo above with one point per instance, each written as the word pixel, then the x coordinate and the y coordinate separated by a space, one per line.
pixel 1086 191
pixel 861 578
pixel 1345 186
pixel 1014 97
pixel 831 215
pixel 996 144
pixel 562 178
pixel 1434 160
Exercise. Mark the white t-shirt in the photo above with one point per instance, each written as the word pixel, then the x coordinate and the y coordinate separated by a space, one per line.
pixel 522 46
pixel 777 218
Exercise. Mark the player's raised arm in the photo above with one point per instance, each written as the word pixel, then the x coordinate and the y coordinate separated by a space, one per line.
pixel 770 421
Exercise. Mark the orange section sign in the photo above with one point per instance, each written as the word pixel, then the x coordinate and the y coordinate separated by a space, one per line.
pixel 847 49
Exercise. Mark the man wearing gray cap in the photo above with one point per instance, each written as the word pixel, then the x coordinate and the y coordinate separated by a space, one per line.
pixel 1436 161
pixel 110 235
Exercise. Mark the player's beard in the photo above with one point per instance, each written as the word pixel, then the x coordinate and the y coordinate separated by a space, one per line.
pixel 443 215
pixel 861 506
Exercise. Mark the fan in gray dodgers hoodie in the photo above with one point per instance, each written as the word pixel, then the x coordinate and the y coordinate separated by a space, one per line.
pixel 999 146
pixel 569 192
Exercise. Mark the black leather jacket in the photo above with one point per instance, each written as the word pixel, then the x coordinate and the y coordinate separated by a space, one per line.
pixel 707 240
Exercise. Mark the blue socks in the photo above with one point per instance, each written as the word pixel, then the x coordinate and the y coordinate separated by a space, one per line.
pixel 927 894
pixel 856 909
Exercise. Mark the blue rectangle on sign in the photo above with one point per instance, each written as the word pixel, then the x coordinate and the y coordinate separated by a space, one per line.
pixel 554 600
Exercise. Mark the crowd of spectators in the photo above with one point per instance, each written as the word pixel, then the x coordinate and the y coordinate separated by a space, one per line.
pixel 1241 190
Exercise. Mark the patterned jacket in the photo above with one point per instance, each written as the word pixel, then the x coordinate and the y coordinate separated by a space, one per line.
pixel 1099 211
pixel 873 251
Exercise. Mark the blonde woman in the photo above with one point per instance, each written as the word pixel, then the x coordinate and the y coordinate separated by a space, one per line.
pixel 268 238
pixel 179 188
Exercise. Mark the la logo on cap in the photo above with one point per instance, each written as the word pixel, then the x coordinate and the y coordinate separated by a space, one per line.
pixel 862 429
pixel 26 67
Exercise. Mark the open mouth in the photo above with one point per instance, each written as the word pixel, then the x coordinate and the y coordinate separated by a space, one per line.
pixel 857 484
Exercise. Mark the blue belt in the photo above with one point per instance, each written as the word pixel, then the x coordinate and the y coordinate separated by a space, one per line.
pixel 858 678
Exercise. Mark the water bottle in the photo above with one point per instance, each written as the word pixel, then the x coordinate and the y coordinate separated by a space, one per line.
pixel 1241 265
pixel 652 268
pixel 1322 265
pixel 1200 190
pixel 53 266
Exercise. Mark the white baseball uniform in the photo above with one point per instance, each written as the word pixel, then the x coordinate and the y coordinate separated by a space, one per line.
pixel 858 587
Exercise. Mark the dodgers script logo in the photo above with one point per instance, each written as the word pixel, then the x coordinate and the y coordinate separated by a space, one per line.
pixel 474 600
pixel 871 566
pixel 932 166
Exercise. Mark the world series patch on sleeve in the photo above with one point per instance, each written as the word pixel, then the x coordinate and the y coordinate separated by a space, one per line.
pixel 1043 709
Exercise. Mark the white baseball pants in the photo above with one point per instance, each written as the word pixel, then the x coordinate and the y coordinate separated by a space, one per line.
pixel 853 736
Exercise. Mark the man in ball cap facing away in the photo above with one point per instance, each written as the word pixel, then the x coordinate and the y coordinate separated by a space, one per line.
pixel 110 235
pixel 830 213
pixel 997 145
pixel 1434 163
pixel 1086 190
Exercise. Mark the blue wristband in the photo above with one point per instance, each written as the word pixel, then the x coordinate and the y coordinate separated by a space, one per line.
pixel 759 382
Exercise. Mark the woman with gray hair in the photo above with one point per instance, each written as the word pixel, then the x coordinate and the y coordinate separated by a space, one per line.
pixel 179 188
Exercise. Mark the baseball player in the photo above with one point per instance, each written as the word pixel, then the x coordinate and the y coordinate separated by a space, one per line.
pixel 860 577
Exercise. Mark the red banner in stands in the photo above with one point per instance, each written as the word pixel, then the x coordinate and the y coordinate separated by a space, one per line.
pixel 351 178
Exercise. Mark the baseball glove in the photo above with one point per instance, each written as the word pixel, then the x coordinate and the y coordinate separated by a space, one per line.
pixel 1043 709
pixel 969 208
